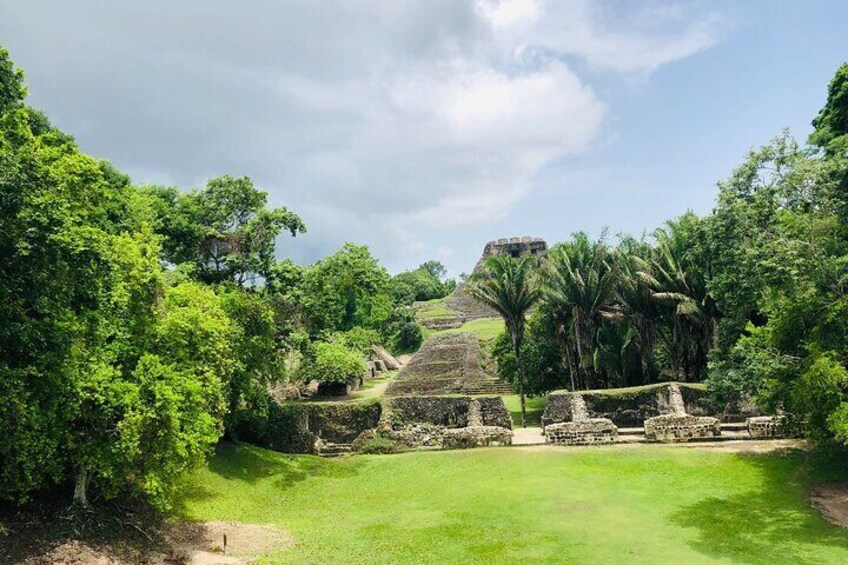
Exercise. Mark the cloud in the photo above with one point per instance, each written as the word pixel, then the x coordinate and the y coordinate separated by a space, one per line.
pixel 390 123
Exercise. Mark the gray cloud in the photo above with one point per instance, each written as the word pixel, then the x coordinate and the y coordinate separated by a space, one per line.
pixel 395 124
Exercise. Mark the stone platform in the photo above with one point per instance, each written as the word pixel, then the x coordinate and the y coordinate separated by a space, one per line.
pixel 674 428
pixel 594 431
pixel 765 427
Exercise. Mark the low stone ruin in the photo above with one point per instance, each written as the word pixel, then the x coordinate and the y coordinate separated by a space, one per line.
pixel 440 422
pixel 581 430
pixel 678 426
pixel 767 427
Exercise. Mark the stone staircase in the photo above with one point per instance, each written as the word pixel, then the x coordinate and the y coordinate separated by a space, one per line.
pixel 334 449
pixel 488 387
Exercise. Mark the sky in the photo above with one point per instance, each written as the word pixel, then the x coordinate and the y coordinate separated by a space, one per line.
pixel 424 129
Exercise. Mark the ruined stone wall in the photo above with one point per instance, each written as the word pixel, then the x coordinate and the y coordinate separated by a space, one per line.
pixel 515 246
pixel 627 407
pixel 295 427
pixel 599 431
pixel 674 428
pixel 767 427
pixel 447 411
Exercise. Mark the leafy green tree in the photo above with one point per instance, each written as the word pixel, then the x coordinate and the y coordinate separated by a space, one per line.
pixel 424 283
pixel 679 285
pixel 82 398
pixel 509 286
pixel 831 124
pixel 225 231
pixel 345 290
pixel 256 348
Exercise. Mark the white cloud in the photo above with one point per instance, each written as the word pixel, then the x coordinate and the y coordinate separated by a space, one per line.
pixel 382 122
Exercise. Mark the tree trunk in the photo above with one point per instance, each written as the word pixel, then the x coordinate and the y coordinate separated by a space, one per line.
pixel 81 486
pixel 520 366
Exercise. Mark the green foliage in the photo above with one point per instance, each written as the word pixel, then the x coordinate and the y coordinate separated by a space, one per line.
pixel 12 89
pixel 831 125
pixel 509 286
pixel 357 338
pixel 346 290
pixel 540 354
pixel 224 231
pixel 332 362
pixel 422 284
pixel 407 336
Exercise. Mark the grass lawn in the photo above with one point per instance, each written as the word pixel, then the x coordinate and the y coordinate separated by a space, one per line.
pixel 535 405
pixel 432 309
pixel 643 504
pixel 486 329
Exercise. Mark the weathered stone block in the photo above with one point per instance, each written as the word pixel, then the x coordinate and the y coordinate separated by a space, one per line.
pixel 673 428
pixel 595 431
pixel 476 436
pixel 767 427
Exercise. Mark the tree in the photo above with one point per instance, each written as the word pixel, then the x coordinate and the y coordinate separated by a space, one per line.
pixel 344 290
pixel 424 283
pixel 508 285
pixel 225 231
pixel 679 285
pixel 83 396
pixel 579 281
pixel 831 124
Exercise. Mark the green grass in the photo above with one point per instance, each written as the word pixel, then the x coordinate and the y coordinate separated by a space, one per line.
pixel 486 329
pixel 641 504
pixel 433 309
pixel 535 406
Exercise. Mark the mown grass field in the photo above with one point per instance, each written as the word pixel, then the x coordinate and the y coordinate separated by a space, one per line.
pixel 535 406
pixel 641 504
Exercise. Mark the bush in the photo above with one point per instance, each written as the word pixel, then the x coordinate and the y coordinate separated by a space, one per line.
pixel 335 363
pixel 357 338
pixel 407 337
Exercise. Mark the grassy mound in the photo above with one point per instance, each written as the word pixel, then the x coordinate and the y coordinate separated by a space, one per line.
pixel 602 505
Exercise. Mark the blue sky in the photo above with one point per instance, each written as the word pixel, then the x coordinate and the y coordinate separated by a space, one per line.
pixel 424 129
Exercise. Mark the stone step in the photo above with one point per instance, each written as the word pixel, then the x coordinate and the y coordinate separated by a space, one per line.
pixel 334 449
pixel 734 426
pixel 631 431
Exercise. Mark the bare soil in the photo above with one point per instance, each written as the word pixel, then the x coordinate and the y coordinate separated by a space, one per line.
pixel 831 500
pixel 44 540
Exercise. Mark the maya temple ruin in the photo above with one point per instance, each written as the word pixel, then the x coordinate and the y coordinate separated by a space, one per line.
pixel 448 395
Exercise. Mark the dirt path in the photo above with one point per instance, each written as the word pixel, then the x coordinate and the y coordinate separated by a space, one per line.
pixel 527 436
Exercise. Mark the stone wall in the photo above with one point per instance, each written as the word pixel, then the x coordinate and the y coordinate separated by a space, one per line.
pixel 296 427
pixel 595 431
pixel 627 407
pixel 448 411
pixel 765 427
pixel 674 428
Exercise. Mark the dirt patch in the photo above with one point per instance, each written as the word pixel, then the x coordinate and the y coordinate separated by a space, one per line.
pixel 832 501
pixel 208 543
pixel 73 553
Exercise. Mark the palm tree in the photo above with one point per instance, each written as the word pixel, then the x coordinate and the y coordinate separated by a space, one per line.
pixel 678 284
pixel 508 285
pixel 579 287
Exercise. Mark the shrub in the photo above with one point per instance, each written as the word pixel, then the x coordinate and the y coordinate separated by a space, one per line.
pixel 357 338
pixel 335 363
